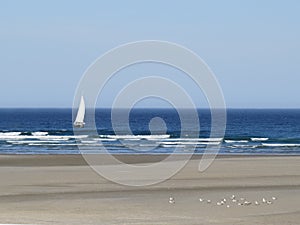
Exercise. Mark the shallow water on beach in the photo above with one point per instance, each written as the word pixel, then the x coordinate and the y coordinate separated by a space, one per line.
pixel 248 131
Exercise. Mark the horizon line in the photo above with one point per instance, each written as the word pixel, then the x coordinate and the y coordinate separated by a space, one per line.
pixel 207 108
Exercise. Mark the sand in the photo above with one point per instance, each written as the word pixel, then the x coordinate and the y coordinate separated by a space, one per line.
pixel 64 190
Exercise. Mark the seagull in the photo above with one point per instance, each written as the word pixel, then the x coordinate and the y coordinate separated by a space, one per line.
pixel 200 199
pixel 269 202
pixel 228 206
pixel 274 198
pixel 264 200
pixel 256 203
pixel 171 200
pixel 233 197
pixel 247 203
pixel 208 201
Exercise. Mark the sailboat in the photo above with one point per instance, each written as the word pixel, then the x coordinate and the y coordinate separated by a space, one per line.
pixel 79 122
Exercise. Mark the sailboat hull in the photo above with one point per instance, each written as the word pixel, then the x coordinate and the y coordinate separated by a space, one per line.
pixel 79 124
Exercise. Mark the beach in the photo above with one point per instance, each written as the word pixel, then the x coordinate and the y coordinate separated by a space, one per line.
pixel 150 113
pixel 63 189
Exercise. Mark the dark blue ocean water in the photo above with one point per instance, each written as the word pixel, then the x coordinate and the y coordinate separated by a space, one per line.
pixel 248 131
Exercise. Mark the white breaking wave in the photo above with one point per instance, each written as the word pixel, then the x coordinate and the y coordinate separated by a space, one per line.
pixel 13 137
pixel 236 141
pixel 196 139
pixel 259 139
pixel 147 145
pixel 105 139
pixel 280 145
pixel 178 143
pixel 64 144
pixel 187 143
pixel 51 137
pixel 163 136
pixel 131 139
pixel 89 142
pixel 244 146
pixel 5 134
pixel 41 137
pixel 51 144
pixel 32 141
pixel 172 146
pixel 211 139
pixel 39 133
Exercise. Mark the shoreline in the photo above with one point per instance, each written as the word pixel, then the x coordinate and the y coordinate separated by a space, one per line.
pixel 78 160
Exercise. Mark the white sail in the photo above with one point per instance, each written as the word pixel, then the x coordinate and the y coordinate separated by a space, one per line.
pixel 79 122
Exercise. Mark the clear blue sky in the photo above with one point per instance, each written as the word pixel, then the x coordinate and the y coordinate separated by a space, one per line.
pixel 253 47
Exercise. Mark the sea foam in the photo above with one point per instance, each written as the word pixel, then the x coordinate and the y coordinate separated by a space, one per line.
pixel 259 139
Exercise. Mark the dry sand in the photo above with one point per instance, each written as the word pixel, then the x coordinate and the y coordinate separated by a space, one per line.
pixel 64 190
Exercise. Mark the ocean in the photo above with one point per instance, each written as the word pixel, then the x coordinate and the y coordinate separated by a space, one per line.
pixel 248 131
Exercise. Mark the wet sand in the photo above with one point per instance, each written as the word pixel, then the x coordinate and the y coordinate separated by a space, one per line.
pixel 64 190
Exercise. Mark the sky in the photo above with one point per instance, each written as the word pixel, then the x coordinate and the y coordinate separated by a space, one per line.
pixel 253 48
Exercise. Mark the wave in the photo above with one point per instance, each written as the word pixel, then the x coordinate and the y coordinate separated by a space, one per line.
pixel 236 141
pixel 131 139
pixel 259 139
pixel 147 145
pixel 280 145
pixel 41 137
pixel 39 133
pixel 172 146
pixel 5 134
pixel 178 143
pixel 88 141
pixel 158 137
pixel 33 141
pixel 14 137
pixel 211 139
pixel 51 144
pixel 243 146
pixel 187 143
pixel 196 139
pixel 105 139
pixel 135 137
